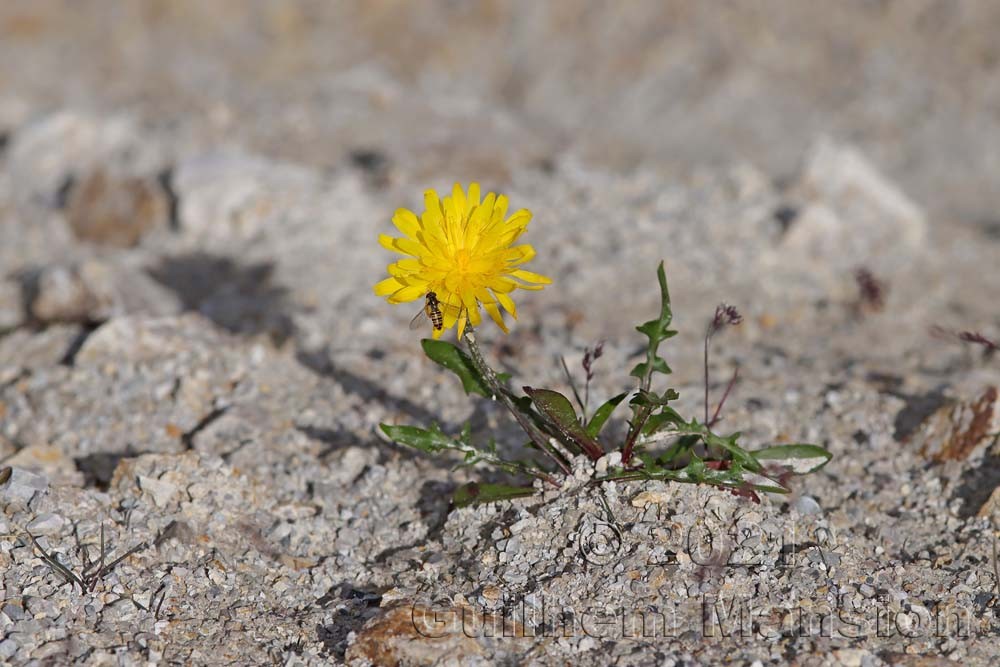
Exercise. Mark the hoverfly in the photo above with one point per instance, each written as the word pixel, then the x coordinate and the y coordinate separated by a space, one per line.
pixel 431 310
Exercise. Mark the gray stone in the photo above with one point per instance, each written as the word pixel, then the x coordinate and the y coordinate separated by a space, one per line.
pixel 46 153
pixel 807 505
pixel 8 647
pixel 69 294
pixel 46 524
pixel 23 486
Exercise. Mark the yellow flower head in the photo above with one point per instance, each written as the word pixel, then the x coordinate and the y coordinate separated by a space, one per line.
pixel 461 249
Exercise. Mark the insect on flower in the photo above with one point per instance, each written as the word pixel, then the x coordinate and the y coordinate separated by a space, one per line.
pixel 460 257
pixel 432 311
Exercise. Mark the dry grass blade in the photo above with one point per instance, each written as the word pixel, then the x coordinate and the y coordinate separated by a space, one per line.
pixel 54 563
pixel 86 580
pixel 996 565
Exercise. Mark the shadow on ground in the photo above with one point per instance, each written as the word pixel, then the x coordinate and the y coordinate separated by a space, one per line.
pixel 241 298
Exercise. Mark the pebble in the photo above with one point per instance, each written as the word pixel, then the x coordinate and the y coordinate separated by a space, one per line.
pixel 46 524
pixel 8 648
pixel 807 505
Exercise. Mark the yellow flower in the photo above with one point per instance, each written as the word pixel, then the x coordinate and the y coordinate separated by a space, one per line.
pixel 461 250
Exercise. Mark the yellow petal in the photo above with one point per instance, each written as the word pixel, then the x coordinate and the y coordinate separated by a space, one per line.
pixel 519 254
pixel 530 277
pixel 405 266
pixel 387 287
pixel 487 206
pixel 386 242
pixel 408 293
pixel 507 303
pixel 494 312
pixel 406 221
pixel 449 314
pixel 458 201
pixel 473 198
pixel 503 286
pixel 521 218
pixel 402 246
pixel 490 304
pixel 500 209
pixel 432 204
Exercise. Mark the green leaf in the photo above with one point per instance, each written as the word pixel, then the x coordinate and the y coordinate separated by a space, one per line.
pixel 651 399
pixel 475 493
pixel 656 331
pixel 659 365
pixel 458 362
pixel 683 444
pixel 666 417
pixel 560 412
pixel 434 440
pixel 800 458
pixel 603 413
pixel 740 455
pixel 431 441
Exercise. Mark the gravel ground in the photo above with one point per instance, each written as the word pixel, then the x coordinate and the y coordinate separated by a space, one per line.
pixel 193 366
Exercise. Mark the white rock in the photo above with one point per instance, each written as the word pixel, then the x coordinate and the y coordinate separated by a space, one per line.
pixel 807 505
pixel 162 492
pixel 47 152
pixel 851 215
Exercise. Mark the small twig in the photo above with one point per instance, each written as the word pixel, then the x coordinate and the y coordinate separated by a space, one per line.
pixel 990 346
pixel 589 357
pixel 87 581
pixel 996 564
pixel 708 337
pixel 84 554
pixel 110 566
pixel 729 387
pixel 162 591
pixel 101 568
pixel 572 385
pixel 980 339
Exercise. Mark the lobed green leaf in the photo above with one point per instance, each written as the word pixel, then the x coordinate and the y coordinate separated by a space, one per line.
pixel 740 455
pixel 656 331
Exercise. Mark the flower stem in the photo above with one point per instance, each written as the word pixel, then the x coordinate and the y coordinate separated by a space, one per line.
pixel 708 338
pixel 537 437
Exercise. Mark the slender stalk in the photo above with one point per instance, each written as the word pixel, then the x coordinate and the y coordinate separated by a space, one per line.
pixel 718 409
pixel 708 338
pixel 490 376
pixel 572 385
pixel 641 416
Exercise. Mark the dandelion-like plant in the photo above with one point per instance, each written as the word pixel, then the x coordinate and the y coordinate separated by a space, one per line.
pixel 460 257
pixel 461 251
